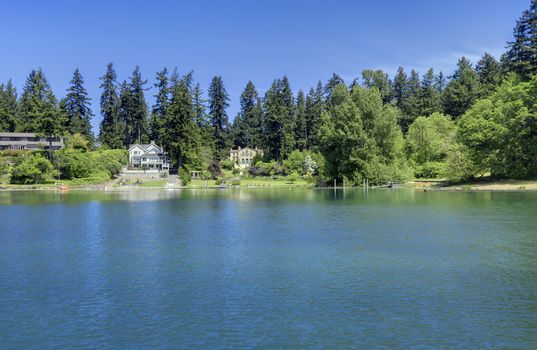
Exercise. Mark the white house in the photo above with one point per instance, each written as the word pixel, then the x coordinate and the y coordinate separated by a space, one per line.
pixel 148 156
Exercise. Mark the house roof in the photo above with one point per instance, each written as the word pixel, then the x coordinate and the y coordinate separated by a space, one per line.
pixel 146 147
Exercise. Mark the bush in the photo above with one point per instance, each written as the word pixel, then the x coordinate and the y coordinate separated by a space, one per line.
pixel 78 142
pixel 215 168
pixel 33 169
pixel 3 167
pixel 459 166
pixel 431 170
pixel 227 164
pixel 75 164
pixel 110 161
pixel 235 182
pixel 185 177
pixel 292 177
pixel 294 162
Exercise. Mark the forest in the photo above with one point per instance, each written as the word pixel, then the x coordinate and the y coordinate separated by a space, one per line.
pixel 479 121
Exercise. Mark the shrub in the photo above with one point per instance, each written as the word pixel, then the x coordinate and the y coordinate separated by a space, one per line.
pixel 78 142
pixel 3 167
pixel 235 182
pixel 215 168
pixel 292 177
pixel 185 177
pixel 294 162
pixel 75 164
pixel 431 170
pixel 227 164
pixel 110 161
pixel 33 169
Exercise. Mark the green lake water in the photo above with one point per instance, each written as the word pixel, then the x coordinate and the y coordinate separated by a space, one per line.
pixel 274 268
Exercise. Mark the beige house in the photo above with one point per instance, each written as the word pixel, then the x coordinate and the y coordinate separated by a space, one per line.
pixel 243 157
pixel 28 141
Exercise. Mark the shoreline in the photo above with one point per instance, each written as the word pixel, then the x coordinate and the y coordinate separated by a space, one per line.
pixel 422 186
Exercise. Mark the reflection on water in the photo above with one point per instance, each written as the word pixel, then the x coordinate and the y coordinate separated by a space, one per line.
pixel 273 268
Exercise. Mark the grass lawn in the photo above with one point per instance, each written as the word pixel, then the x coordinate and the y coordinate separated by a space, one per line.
pixel 157 183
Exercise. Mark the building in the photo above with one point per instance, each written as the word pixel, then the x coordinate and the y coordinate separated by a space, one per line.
pixel 28 141
pixel 148 156
pixel 243 157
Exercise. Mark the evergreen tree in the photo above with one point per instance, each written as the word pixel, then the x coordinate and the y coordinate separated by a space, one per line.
pixel 429 98
pixel 162 101
pixel 334 81
pixel 380 80
pixel 200 107
pixel 38 108
pixel 112 128
pixel 300 122
pixel 462 90
pixel 218 102
pixel 76 107
pixel 440 82
pixel 314 107
pixel 125 114
pixel 8 107
pixel 400 89
pixel 521 55
pixel 181 135
pixel 279 120
pixel 137 127
pixel 489 73
pixel 248 122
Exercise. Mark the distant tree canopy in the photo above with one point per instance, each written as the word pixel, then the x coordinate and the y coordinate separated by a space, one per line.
pixel 478 120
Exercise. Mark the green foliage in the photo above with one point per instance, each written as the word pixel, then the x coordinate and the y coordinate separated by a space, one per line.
pixel 112 129
pixel 185 177
pixel 459 165
pixel 430 170
pixel 500 131
pixel 431 138
pixel 8 107
pixel 37 109
pixel 520 55
pixel 218 103
pixel 293 177
pixel 463 90
pixel 33 169
pixel 182 136
pixel 78 142
pixel 3 167
pixel 279 119
pixel 162 102
pixel 247 131
pixel 361 138
pixel 75 164
pixel 76 107
pixel 109 161
pixel 294 162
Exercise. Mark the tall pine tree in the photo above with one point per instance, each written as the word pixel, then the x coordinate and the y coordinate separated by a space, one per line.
pixel 111 132
pixel 8 107
pixel 38 108
pixel 162 101
pixel 218 103
pixel 76 106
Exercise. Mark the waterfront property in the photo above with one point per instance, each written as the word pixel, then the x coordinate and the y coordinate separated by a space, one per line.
pixel 148 156
pixel 28 141
pixel 243 157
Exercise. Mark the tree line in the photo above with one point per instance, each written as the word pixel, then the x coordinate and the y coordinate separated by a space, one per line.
pixel 377 126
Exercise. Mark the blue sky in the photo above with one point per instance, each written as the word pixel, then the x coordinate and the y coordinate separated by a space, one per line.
pixel 246 40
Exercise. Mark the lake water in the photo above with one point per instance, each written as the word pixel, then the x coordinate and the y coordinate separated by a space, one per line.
pixel 280 268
